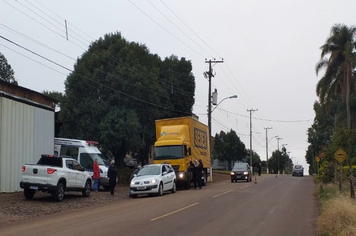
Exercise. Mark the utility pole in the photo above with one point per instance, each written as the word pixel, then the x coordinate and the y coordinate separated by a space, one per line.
pixel 251 110
pixel 267 128
pixel 209 75
pixel 278 138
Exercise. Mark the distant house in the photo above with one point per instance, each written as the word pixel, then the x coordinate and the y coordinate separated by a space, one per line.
pixel 26 131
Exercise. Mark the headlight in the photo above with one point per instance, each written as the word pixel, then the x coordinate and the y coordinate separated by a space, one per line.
pixel 153 181
pixel 181 175
pixel 132 183
pixel 232 173
pixel 246 173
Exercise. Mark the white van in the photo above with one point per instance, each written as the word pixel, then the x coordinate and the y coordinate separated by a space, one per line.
pixel 85 152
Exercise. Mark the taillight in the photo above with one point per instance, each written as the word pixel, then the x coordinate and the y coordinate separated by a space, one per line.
pixel 50 171
pixel 23 168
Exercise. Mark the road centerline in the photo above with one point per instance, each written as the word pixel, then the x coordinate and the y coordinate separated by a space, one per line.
pixel 218 195
pixel 173 212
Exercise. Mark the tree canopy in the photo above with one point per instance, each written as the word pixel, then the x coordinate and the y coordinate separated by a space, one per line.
pixel 228 146
pixel 6 72
pixel 118 89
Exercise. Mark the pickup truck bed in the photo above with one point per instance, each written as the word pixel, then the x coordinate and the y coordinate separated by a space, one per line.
pixel 55 175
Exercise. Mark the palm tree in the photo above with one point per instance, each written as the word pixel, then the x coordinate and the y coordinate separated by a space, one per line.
pixel 339 71
pixel 339 67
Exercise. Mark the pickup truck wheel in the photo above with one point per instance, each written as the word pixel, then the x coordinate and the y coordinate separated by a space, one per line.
pixel 59 194
pixel 29 193
pixel 86 191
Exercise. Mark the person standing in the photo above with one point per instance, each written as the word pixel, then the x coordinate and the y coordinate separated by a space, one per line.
pixel 200 173
pixel 112 175
pixel 193 168
pixel 96 175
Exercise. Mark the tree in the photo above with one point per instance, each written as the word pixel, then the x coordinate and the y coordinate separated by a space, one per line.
pixel 228 146
pixel 340 65
pixel 6 72
pixel 117 91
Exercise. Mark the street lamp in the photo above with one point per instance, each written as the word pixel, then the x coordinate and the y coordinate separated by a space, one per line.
pixel 267 149
pixel 283 146
pixel 209 118
pixel 233 96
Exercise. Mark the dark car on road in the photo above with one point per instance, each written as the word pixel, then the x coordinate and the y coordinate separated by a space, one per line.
pixel 298 170
pixel 241 171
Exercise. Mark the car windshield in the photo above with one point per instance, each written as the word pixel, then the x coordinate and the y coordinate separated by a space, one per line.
pixel 240 166
pixel 150 170
pixel 298 167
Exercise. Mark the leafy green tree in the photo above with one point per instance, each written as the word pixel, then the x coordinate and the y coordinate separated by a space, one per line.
pixel 6 72
pixel 116 92
pixel 228 146
pixel 339 71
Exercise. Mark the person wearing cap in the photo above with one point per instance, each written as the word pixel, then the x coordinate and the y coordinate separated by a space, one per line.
pixel 200 173
pixel 112 176
pixel 96 175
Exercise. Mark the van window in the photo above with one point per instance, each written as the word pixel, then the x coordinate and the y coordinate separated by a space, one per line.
pixel 86 161
pixel 69 151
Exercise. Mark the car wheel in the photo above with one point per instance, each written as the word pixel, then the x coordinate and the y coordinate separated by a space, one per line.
pixel 174 188
pixel 160 189
pixel 29 193
pixel 86 191
pixel 133 195
pixel 59 194
pixel 248 179
pixel 232 180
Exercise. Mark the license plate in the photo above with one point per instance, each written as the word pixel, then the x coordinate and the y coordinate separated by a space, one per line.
pixel 141 188
pixel 34 187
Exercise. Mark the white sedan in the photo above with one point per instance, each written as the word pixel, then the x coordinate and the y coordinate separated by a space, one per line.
pixel 153 179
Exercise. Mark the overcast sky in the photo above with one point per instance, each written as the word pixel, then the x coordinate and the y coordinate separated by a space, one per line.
pixel 269 48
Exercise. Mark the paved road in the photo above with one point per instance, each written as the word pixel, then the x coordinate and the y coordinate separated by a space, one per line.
pixel 272 206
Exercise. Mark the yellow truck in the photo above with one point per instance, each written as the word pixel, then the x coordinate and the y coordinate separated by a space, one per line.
pixel 180 140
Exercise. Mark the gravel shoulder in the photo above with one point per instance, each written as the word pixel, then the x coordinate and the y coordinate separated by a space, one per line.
pixel 14 207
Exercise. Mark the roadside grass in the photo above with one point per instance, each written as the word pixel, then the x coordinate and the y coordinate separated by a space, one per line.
pixel 337 211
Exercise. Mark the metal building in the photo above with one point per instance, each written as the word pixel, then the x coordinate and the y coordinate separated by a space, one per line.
pixel 26 131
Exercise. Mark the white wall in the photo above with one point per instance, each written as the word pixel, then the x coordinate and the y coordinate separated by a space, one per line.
pixel 26 132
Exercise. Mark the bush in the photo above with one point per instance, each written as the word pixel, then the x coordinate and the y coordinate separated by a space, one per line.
pixel 326 172
pixel 338 217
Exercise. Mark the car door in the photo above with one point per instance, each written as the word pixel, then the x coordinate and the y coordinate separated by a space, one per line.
pixel 71 174
pixel 167 178
pixel 80 174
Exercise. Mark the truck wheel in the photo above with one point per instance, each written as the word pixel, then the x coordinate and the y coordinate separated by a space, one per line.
pixel 59 194
pixel 174 188
pixel 204 178
pixel 160 190
pixel 29 193
pixel 86 191
pixel 188 183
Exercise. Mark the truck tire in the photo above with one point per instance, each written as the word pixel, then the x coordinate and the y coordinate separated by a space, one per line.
pixel 188 183
pixel 86 191
pixel 59 194
pixel 204 179
pixel 29 193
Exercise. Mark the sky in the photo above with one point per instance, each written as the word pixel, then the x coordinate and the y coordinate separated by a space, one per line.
pixel 269 51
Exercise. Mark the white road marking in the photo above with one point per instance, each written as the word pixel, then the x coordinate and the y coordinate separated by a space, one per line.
pixel 173 212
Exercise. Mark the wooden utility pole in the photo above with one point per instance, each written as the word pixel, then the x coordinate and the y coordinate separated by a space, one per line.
pixel 251 110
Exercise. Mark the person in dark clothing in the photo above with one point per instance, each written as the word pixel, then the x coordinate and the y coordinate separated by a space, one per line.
pixel 259 169
pixel 193 168
pixel 135 172
pixel 112 176
pixel 200 173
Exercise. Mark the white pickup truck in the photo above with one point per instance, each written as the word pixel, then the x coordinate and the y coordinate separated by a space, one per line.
pixel 55 175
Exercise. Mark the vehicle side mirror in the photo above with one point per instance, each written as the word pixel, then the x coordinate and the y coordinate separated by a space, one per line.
pixel 164 173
